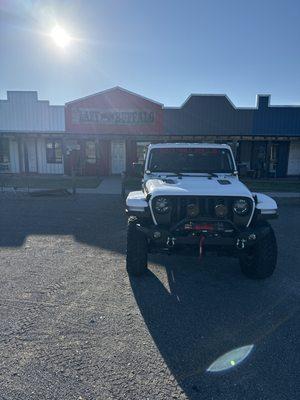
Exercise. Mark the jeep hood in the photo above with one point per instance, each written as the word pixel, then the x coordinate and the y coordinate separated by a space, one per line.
pixel 197 186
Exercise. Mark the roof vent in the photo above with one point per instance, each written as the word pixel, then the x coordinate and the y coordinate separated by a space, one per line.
pixel 169 181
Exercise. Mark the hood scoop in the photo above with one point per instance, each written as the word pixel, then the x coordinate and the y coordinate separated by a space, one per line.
pixel 224 182
pixel 169 181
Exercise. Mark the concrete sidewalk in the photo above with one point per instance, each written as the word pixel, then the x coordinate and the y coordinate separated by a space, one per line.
pixel 109 185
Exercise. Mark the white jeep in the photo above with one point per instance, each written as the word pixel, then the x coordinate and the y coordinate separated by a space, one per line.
pixel 192 202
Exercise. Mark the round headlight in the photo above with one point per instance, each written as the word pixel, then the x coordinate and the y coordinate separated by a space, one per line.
pixel 162 205
pixel 221 210
pixel 241 206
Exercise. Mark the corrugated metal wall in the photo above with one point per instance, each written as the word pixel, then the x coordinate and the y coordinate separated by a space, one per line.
pixel 216 115
pixel 23 111
pixel 31 154
pixel 14 156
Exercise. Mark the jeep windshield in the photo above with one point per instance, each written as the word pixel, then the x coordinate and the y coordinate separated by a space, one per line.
pixel 190 160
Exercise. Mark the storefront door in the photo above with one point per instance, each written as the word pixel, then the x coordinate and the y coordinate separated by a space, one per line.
pixel 118 156
pixel 283 156
pixel 31 155
pixel 73 157
pixel 259 159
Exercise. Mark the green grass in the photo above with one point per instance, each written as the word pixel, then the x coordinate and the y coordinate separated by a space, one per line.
pixel 49 182
pixel 272 185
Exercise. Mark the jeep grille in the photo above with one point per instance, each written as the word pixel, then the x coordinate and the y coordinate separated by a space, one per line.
pixel 204 207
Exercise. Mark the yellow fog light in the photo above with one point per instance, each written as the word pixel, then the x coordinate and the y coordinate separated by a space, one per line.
pixel 221 210
pixel 192 210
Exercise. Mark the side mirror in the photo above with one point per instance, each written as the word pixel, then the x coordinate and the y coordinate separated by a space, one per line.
pixel 137 169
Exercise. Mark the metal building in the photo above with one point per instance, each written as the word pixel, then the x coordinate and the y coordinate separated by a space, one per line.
pixel 31 135
pixel 104 133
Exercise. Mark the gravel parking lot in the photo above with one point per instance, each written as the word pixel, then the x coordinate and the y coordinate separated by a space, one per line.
pixel 73 326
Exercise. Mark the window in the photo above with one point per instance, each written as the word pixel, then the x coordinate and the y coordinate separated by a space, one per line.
pixel 54 152
pixel 4 155
pixel 90 152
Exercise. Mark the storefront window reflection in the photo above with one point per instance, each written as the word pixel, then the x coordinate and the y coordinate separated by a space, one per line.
pixel 90 152
pixel 54 151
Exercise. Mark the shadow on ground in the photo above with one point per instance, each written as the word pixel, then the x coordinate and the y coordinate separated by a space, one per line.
pixel 194 313
pixel 207 311
pixel 91 219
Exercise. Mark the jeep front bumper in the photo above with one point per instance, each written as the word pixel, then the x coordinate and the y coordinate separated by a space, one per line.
pixel 215 233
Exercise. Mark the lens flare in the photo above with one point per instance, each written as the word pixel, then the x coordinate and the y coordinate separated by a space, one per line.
pixel 230 359
pixel 60 37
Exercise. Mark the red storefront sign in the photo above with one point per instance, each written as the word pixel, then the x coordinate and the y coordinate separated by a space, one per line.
pixel 114 111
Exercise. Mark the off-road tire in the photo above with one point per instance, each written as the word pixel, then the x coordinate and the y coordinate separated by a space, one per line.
pixel 137 249
pixel 259 261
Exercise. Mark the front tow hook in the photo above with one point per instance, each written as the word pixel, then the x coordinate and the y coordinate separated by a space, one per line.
pixel 170 241
pixel 240 243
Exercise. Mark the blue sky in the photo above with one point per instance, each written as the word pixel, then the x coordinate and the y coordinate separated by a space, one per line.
pixel 164 49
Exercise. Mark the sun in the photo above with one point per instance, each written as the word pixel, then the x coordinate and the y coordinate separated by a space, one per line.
pixel 60 37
